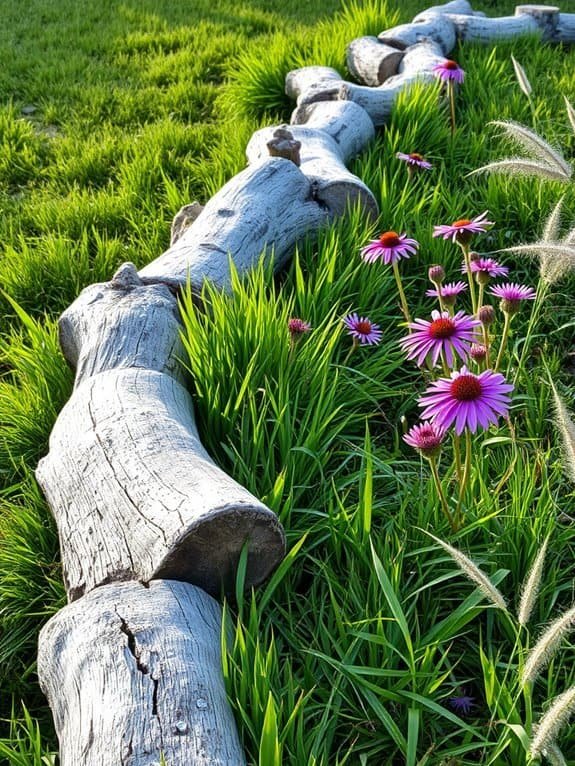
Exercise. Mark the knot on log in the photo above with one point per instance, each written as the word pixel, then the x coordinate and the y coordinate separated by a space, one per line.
pixel 283 144
pixel 183 219
pixel 126 278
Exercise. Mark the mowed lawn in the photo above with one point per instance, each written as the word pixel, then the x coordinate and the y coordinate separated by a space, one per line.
pixel 361 648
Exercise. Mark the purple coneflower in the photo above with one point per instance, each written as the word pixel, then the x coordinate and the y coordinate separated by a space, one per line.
pixel 390 248
pixel 298 327
pixel 461 231
pixel 484 268
pixel 449 292
pixel 449 71
pixel 511 295
pixel 444 334
pixel 363 330
pixel 463 704
pixel 414 161
pixel 467 400
pixel 426 438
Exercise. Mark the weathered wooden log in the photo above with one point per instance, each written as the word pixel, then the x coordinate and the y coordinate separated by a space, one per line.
pixel 134 493
pixel 134 673
pixel 371 61
pixel 267 207
pixel 431 24
pixel 183 219
pixel 322 160
pixel 312 83
pixel 346 123
pixel 475 29
pixel 565 32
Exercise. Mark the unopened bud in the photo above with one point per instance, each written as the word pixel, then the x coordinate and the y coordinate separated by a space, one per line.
pixel 436 274
pixel 486 315
pixel 473 256
pixel 478 352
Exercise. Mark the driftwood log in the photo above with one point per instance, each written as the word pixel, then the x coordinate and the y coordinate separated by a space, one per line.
pixel 135 494
pixel 148 524
pixel 134 673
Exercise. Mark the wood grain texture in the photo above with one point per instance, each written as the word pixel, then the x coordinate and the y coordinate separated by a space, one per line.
pixel 370 61
pixel 134 493
pixel 265 208
pixel 322 160
pixel 133 673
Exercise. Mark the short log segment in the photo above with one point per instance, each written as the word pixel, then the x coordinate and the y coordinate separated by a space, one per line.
pixel 134 493
pixel 371 61
pixel 134 673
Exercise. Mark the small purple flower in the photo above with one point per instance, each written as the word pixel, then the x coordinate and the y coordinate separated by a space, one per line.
pixel 449 70
pixel 444 334
pixel 467 400
pixel 298 327
pixel 390 248
pixel 449 292
pixel 484 268
pixel 511 295
pixel 463 704
pixel 461 231
pixel 363 330
pixel 426 438
pixel 414 160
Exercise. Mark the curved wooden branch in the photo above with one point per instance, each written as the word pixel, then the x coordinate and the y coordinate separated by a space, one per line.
pixel 134 493
pixel 133 674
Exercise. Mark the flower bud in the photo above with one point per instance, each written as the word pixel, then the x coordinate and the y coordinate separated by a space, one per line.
pixel 478 352
pixel 436 274
pixel 486 315
pixel 473 256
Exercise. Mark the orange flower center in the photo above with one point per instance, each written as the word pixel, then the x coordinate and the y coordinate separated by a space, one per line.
pixel 442 328
pixel 390 239
pixel 462 222
pixel 415 156
pixel 466 388
pixel 363 327
pixel 450 64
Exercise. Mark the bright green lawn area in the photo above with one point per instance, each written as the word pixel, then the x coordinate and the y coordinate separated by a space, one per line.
pixel 368 631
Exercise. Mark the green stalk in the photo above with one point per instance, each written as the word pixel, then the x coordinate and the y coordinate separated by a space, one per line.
pixel 354 345
pixel 470 279
pixel 542 288
pixel 402 297
pixel 451 90
pixel 504 338
pixel 466 473
pixel 440 492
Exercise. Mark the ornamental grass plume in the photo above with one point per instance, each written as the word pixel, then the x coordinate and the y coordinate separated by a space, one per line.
pixel 567 430
pixel 551 723
pixel 472 571
pixel 547 646
pixel 531 586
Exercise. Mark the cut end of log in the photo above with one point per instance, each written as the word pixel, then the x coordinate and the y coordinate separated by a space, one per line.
pixel 207 555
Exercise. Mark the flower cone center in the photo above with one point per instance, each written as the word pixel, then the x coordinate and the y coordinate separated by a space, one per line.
pixel 450 64
pixel 442 328
pixel 462 222
pixel 363 327
pixel 390 239
pixel 415 156
pixel 466 388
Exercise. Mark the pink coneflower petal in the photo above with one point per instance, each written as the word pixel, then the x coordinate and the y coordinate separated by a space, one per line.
pixel 389 248
pixel 512 295
pixel 463 229
pixel 448 290
pixel 487 266
pixel 363 330
pixel 445 334
pixel 426 438
pixel 467 400
pixel 414 160
pixel 449 70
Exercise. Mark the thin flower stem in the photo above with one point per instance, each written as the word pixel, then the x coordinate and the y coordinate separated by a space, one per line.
pixel 486 344
pixel 354 345
pixel 504 337
pixel 442 305
pixel 470 279
pixel 441 493
pixel 480 297
pixel 457 456
pixel 451 91
pixel 466 474
pixel 402 297
pixel 540 300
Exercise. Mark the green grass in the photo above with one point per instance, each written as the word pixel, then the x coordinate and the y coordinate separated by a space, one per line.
pixel 351 652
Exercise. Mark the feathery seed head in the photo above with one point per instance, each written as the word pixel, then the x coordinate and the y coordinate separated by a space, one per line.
pixel 552 722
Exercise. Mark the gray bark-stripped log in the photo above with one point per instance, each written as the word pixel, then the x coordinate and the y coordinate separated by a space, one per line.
pixel 134 673
pixel 322 160
pixel 312 83
pixel 183 219
pixel 134 493
pixel 268 207
pixel 346 123
pixel 475 29
pixel 565 32
pixel 371 61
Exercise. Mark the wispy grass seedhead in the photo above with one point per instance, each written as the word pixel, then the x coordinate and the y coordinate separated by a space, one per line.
pixel 552 722
pixel 555 756
pixel 469 568
pixel 531 586
pixel 522 78
pixel 547 646
pixel 566 428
